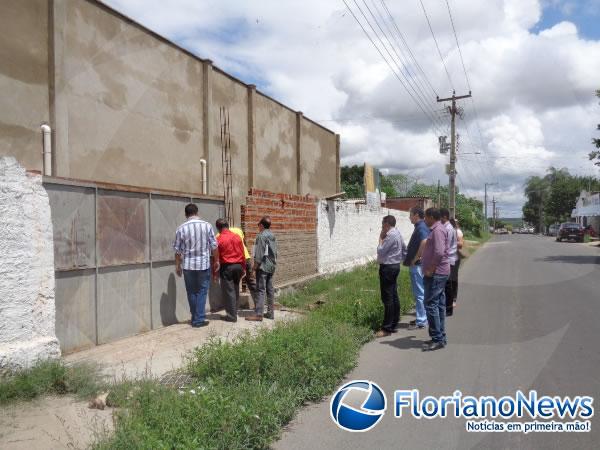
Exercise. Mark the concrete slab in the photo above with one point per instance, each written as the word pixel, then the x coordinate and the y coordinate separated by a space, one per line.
pixel 159 351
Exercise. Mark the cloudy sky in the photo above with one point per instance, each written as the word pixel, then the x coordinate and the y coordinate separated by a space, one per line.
pixel 532 66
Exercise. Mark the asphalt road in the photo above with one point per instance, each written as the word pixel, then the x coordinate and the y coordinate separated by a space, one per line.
pixel 528 317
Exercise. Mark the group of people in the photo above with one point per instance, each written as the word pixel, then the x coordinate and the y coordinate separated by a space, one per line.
pixel 199 254
pixel 433 257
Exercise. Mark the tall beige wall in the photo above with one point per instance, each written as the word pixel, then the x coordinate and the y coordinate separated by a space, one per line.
pixel 318 161
pixel 129 106
pixel 24 95
pixel 275 157
pixel 231 94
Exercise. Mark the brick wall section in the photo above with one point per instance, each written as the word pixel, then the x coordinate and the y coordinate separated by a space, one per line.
pixel 294 223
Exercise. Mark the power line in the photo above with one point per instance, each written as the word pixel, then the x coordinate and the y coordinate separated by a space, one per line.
pixel 386 59
pixel 458 45
pixel 436 45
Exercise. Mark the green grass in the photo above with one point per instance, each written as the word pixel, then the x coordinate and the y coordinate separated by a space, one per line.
pixel 245 391
pixel 483 237
pixel 50 377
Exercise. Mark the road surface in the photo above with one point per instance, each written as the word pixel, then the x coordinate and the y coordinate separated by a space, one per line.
pixel 528 317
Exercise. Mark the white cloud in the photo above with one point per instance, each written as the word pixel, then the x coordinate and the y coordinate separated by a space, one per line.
pixel 533 90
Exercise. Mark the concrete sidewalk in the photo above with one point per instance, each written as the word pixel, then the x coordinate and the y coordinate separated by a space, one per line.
pixel 157 352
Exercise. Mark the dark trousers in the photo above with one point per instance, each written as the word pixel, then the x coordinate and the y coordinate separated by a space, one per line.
pixel 250 279
pixel 451 288
pixel 388 283
pixel 196 285
pixel 231 274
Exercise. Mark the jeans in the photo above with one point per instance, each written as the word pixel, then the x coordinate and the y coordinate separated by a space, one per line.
pixel 388 283
pixel 452 288
pixel 250 279
pixel 231 274
pixel 435 305
pixel 416 281
pixel 196 285
pixel 264 286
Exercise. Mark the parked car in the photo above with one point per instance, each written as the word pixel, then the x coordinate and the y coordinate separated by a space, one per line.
pixel 570 230
pixel 553 229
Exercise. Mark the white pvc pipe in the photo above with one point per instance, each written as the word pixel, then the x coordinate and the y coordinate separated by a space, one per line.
pixel 47 149
pixel 203 165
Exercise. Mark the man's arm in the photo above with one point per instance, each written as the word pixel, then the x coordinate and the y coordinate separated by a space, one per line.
pixel 438 252
pixel 419 251
pixel 178 258
pixel 178 270
pixel 259 252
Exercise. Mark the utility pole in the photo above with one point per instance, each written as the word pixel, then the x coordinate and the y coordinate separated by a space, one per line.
pixel 485 200
pixel 541 212
pixel 452 169
pixel 494 213
pixel 439 203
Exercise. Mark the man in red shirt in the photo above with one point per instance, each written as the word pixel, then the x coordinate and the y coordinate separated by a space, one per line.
pixel 232 267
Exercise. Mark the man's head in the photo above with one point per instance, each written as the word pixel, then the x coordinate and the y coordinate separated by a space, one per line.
pixel 191 210
pixel 445 215
pixel 265 223
pixel 222 224
pixel 416 214
pixel 387 223
pixel 432 215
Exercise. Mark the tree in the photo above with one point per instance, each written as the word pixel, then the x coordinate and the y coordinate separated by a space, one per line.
pixel 387 186
pixel 352 180
pixel 596 153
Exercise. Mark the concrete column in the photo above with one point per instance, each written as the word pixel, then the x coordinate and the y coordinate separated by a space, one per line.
pixel 58 88
pixel 298 149
pixel 251 134
pixel 207 69
pixel 338 175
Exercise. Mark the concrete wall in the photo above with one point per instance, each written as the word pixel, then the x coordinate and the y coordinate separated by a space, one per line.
pixel 275 158
pixel 24 96
pixel 348 234
pixel 129 107
pixel 318 160
pixel 26 270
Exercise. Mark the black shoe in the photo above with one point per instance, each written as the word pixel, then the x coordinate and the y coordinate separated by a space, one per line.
pixel 426 344
pixel 434 346
pixel 200 325
pixel 269 316
pixel 229 319
pixel 449 312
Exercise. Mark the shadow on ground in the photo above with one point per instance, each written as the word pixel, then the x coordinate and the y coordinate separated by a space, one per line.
pixel 572 259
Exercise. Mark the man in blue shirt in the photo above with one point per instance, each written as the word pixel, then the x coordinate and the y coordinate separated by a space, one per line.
pixel 413 262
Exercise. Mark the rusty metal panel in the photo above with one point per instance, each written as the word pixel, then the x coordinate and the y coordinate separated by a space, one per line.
pixel 123 302
pixel 210 210
pixel 122 228
pixel 166 214
pixel 169 298
pixel 73 226
pixel 76 309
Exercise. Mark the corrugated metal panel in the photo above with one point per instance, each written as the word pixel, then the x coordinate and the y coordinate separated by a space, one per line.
pixel 122 228
pixel 166 214
pixel 169 298
pixel 123 302
pixel 75 309
pixel 73 226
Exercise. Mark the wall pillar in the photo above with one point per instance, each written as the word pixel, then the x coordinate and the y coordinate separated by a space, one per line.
pixel 207 68
pixel 251 134
pixel 58 89
pixel 298 155
pixel 338 175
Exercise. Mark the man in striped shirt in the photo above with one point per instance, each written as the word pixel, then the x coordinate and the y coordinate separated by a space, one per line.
pixel 195 246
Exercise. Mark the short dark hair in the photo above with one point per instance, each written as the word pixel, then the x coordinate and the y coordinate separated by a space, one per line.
pixel 191 210
pixel 454 223
pixel 434 213
pixel 265 222
pixel 418 211
pixel 221 223
pixel 390 220
pixel 445 213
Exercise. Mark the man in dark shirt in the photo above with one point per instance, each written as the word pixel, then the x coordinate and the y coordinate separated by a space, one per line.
pixel 232 267
pixel 413 262
pixel 265 262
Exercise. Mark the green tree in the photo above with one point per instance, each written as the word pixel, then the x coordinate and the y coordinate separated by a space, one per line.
pixel 387 186
pixel 352 181
pixel 595 155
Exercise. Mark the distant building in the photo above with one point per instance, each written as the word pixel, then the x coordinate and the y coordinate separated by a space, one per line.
pixel 587 210
pixel 405 203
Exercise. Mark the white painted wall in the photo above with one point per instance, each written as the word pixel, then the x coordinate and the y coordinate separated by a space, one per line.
pixel 348 234
pixel 26 269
